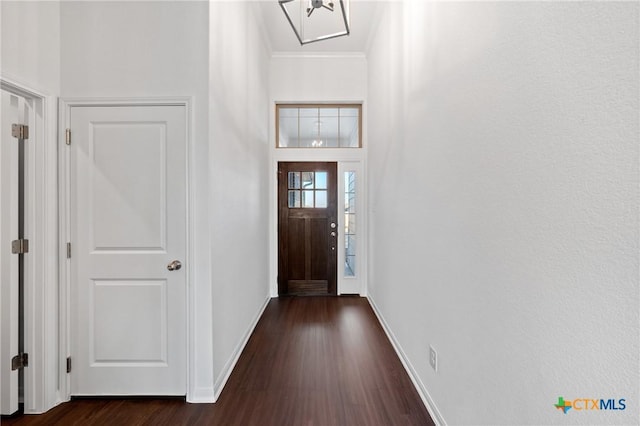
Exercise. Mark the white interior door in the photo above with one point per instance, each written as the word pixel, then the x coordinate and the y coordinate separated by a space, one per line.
pixel 128 223
pixel 9 291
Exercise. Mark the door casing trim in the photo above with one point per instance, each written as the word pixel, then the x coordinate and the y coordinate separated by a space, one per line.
pixel 41 269
pixel 343 156
pixel 65 106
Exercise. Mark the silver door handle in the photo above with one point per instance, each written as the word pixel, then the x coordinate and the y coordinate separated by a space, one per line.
pixel 175 265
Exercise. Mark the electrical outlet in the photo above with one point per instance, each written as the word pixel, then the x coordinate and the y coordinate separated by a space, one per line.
pixel 433 358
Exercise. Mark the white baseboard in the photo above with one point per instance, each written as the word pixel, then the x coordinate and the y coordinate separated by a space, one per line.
pixel 231 363
pixel 413 375
pixel 202 396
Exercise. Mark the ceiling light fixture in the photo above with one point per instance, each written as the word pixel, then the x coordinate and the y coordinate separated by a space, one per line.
pixel 319 26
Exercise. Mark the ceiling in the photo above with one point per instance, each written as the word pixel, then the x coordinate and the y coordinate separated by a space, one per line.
pixel 283 39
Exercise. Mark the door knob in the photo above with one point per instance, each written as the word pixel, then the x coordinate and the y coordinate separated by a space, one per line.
pixel 174 266
pixel 333 225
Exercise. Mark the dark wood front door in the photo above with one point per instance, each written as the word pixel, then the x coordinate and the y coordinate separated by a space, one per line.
pixel 307 228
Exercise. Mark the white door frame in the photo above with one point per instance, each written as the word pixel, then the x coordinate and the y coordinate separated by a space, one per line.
pixel 348 160
pixel 66 104
pixel 41 267
pixel 10 215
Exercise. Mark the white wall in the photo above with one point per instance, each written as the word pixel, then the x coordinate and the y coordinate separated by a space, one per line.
pixel 164 49
pixel 319 77
pixel 30 44
pixel 504 202
pixel 153 49
pixel 30 63
pixel 238 181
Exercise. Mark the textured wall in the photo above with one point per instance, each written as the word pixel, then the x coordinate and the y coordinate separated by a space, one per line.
pixel 504 202
pixel 215 53
pixel 30 57
pixel 318 77
pixel 30 44
pixel 239 179
pixel 152 49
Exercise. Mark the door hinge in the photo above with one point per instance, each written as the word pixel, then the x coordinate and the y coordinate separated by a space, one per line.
pixel 20 131
pixel 19 361
pixel 67 136
pixel 68 365
pixel 68 250
pixel 20 246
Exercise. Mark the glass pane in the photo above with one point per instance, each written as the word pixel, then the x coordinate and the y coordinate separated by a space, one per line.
pixel 350 224
pixel 328 129
pixel 330 143
pixel 309 132
pixel 350 266
pixel 294 199
pixel 349 202
pixel 350 245
pixel 350 189
pixel 288 112
pixel 294 180
pixel 309 112
pixel 321 199
pixel 328 112
pixel 318 127
pixel 321 180
pixel 349 132
pixel 288 132
pixel 307 180
pixel 349 112
pixel 350 179
pixel 307 199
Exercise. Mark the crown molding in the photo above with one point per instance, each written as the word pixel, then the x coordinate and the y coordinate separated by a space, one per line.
pixel 359 55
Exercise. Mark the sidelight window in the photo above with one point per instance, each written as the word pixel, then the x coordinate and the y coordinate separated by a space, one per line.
pixel 318 126
pixel 350 224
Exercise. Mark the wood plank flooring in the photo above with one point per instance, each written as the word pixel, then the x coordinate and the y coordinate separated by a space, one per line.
pixel 311 361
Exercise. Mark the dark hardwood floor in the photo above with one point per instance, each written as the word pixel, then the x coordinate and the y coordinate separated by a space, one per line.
pixel 311 361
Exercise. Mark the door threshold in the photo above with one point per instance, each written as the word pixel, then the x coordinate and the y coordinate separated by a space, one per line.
pixel 311 294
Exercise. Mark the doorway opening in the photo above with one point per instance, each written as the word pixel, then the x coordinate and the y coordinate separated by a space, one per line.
pixel 28 217
pixel 308 135
pixel 15 134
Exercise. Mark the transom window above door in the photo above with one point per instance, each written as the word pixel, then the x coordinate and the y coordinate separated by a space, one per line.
pixel 318 126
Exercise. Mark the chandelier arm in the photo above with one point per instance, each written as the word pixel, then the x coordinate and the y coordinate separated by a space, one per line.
pixel 345 18
pixel 316 4
pixel 286 14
